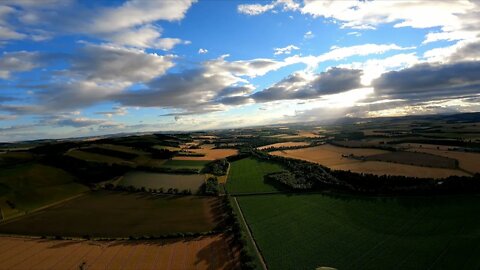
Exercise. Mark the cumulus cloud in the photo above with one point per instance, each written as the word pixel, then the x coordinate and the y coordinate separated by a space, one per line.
pixel 430 81
pixel 202 51
pixel 11 62
pixel 305 86
pixel 257 9
pixel 464 50
pixel 308 35
pixel 132 23
pixel 103 63
pixel 285 50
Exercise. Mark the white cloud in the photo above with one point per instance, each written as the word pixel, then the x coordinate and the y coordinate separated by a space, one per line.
pixel 18 62
pixel 308 35
pixel 285 50
pixel 373 68
pixel 257 9
pixel 202 51
pixel 147 36
pixel 136 12
pixel 339 53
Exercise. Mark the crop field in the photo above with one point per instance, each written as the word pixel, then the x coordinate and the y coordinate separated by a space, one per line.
pixel 32 185
pixel 417 159
pixel 115 214
pixel 207 252
pixel 344 232
pixel 185 164
pixel 284 144
pixel 388 168
pixel 209 154
pixel 15 157
pixel 467 161
pixel 148 180
pixel 328 155
pixel 335 157
pixel 247 176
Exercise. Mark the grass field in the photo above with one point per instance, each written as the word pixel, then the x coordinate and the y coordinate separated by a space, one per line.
pixel 185 164
pixel 32 185
pixel 114 214
pixel 202 253
pixel 309 231
pixel 161 180
pixel 247 176
pixel 94 157
pixel 335 157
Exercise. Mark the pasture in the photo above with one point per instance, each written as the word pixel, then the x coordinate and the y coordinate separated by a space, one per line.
pixel 202 253
pixel 32 185
pixel 337 158
pixel 165 181
pixel 116 214
pixel 247 176
pixel 346 232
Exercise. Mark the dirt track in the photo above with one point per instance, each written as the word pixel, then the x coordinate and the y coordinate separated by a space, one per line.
pixel 209 252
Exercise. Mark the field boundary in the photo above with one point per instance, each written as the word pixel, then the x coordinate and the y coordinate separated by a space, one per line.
pixel 259 254
pixel 22 214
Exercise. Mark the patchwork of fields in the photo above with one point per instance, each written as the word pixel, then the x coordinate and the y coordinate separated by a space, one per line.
pixel 115 214
pixel 208 252
pixel 338 158
pixel 306 231
pixel 148 180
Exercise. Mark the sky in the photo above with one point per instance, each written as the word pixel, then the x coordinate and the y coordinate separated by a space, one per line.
pixel 71 68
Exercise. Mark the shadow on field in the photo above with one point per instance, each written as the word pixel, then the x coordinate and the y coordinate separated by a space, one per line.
pixel 219 254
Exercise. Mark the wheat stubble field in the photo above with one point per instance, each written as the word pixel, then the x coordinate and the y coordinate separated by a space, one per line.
pixel 207 252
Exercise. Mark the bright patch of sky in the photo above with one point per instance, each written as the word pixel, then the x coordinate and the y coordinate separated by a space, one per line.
pixel 77 68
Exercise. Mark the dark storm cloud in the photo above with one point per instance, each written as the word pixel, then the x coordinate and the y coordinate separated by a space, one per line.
pixel 333 81
pixel 430 81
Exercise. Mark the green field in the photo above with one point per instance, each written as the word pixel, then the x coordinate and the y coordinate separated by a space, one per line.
pixel 247 176
pixel 148 180
pixel 94 157
pixel 115 214
pixel 185 164
pixel 309 231
pixel 33 185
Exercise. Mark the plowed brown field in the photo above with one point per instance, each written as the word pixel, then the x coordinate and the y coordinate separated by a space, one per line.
pixel 208 252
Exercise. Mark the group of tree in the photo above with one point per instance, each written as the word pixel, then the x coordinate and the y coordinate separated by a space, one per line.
pixel 133 189
pixel 217 167
pixel 304 175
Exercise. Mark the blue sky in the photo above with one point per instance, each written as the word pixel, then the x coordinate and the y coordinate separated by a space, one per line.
pixel 80 68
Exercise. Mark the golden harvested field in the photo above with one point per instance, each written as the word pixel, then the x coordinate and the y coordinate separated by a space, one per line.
pixel 467 161
pixel 331 156
pixel 328 155
pixel 207 252
pixel 210 154
pixel 283 144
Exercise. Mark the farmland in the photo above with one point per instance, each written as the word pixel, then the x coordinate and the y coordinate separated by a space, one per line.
pixel 247 176
pixel 115 214
pixel 208 154
pixel 206 252
pixel 32 185
pixel 150 180
pixel 309 231
pixel 284 144
pixel 337 158
pixel 185 164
